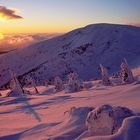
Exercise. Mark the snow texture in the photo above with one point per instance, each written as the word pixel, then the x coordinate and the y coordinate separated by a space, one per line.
pixel 62 116
pixel 130 130
pixel 106 120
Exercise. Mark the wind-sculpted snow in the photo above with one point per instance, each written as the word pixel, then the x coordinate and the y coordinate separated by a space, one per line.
pixel 81 50
pixel 130 130
pixel 105 120
pixel 64 116
pixel 74 124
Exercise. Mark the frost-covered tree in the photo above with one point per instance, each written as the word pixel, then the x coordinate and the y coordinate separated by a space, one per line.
pixel 45 83
pixel 126 73
pixel 15 86
pixel 58 83
pixel 33 84
pixel 74 84
pixel 105 76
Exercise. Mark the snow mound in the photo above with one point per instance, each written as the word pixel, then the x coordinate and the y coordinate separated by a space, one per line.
pixel 106 119
pixel 130 130
pixel 78 115
pixel 74 124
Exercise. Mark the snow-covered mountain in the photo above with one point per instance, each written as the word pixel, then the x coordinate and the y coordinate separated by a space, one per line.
pixel 81 50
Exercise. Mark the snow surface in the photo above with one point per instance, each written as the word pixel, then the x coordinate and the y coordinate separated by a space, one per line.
pixel 106 119
pixel 58 115
pixel 130 130
pixel 81 50
pixel 62 116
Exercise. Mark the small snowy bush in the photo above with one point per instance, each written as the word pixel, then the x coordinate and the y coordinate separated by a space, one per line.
pixel 74 84
pixel 58 83
pixel 31 83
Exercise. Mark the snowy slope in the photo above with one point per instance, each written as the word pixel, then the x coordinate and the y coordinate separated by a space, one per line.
pixel 61 116
pixel 81 50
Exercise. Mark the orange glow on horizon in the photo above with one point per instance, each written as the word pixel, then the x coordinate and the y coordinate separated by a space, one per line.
pixel 19 27
pixel 1 36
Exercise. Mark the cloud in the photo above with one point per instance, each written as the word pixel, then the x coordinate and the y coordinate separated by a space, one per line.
pixel 22 40
pixel 8 13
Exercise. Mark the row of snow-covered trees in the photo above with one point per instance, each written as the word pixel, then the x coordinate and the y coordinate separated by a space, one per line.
pixel 125 74
pixel 73 84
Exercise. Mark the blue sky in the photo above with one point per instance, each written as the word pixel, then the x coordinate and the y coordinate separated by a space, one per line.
pixel 64 15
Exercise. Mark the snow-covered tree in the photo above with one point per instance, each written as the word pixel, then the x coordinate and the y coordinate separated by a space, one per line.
pixel 126 73
pixel 58 83
pixel 74 84
pixel 45 83
pixel 16 89
pixel 105 76
pixel 33 84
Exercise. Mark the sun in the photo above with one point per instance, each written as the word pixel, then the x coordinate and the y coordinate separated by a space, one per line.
pixel 2 18
pixel 1 36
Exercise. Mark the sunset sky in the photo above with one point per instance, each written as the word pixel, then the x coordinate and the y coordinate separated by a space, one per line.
pixel 48 16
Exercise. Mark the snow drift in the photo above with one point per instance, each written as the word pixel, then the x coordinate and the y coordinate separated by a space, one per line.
pixel 74 124
pixel 106 120
pixel 62 116
pixel 130 130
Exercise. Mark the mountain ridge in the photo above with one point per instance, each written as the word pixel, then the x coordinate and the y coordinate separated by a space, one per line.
pixel 81 50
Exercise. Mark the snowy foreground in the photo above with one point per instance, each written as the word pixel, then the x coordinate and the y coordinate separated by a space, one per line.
pixel 63 116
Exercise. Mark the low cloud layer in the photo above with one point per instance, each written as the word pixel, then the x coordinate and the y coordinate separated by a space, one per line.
pixel 8 13
pixel 22 40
